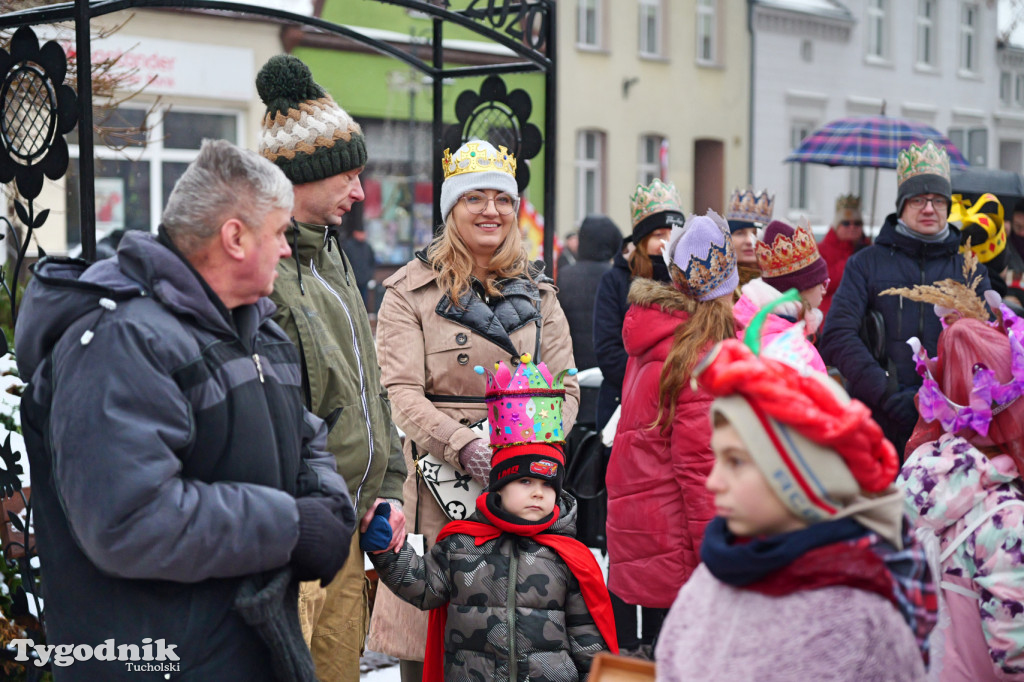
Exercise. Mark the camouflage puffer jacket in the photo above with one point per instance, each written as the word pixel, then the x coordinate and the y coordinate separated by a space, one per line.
pixel 511 583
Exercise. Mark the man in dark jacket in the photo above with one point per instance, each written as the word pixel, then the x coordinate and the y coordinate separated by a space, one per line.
pixel 915 246
pixel 175 472
pixel 599 241
pixel 364 261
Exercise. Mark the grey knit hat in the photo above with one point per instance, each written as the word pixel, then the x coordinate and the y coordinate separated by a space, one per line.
pixel 476 165
pixel 304 131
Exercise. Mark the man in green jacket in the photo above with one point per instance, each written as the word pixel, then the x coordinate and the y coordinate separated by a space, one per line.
pixel 321 150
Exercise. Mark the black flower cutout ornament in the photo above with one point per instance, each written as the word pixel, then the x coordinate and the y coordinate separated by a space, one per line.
pixel 500 117
pixel 36 110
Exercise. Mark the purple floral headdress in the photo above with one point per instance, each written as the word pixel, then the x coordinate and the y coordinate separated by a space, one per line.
pixel 988 397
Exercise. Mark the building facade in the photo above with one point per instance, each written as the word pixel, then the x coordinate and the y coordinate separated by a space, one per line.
pixel 932 61
pixel 650 88
pixel 169 101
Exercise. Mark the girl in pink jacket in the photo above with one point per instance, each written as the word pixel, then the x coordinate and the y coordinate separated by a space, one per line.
pixel 963 484
pixel 806 573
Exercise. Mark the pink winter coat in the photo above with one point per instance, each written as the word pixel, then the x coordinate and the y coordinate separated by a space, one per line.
pixel 951 489
pixel 839 634
pixel 756 294
pixel 657 503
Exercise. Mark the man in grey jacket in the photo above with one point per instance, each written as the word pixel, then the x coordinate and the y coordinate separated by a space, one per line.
pixel 178 484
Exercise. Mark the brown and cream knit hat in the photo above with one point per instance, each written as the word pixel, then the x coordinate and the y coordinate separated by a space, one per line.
pixel 304 131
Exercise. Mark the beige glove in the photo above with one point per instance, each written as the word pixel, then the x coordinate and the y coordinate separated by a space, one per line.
pixel 475 458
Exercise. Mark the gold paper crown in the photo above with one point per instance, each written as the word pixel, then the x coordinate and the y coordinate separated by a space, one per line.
pixel 473 158
pixel 848 202
pixel 785 255
pixel 654 198
pixel 927 159
pixel 746 206
pixel 987 214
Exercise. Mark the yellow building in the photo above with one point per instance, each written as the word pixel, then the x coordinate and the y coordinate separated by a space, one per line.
pixel 634 74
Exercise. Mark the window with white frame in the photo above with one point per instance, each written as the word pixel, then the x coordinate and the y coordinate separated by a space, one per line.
pixel 588 23
pixel 1018 90
pixel 926 10
pixel 968 37
pixel 651 22
pixel 707 29
pixel 972 143
pixel 649 164
pixel 1005 87
pixel 878 29
pixel 132 184
pixel 589 173
pixel 798 190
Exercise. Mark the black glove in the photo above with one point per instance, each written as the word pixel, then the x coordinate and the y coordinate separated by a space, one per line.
pixel 323 540
pixel 900 408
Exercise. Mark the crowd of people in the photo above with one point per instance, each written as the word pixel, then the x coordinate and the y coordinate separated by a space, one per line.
pixel 815 470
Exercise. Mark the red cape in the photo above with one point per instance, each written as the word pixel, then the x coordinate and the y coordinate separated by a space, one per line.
pixel 574 553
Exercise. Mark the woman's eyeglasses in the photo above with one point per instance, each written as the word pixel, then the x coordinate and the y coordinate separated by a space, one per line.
pixel 477 203
pixel 851 223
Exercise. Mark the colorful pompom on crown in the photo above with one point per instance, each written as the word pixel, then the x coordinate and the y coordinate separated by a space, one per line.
pixel 525 405
pixel 474 158
pixel 745 206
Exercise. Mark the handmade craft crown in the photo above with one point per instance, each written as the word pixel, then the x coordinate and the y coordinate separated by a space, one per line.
pixel 926 159
pixel 746 206
pixel 848 202
pixel 986 213
pixel 988 397
pixel 472 158
pixel 525 405
pixel 654 198
pixel 784 255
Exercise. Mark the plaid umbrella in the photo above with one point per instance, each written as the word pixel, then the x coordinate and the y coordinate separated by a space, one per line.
pixel 868 141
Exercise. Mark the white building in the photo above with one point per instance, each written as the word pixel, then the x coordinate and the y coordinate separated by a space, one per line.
pixel 933 61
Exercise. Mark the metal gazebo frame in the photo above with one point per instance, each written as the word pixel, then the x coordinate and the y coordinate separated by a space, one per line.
pixel 509 23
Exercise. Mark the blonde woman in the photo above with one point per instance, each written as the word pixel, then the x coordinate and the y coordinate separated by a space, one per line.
pixel 472 298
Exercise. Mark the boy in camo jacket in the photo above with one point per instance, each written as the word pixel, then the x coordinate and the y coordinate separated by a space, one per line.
pixel 514 595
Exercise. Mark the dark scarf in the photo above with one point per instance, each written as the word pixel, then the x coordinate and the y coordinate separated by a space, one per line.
pixel 828 554
pixel 660 270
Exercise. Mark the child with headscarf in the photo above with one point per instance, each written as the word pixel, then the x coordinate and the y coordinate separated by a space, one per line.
pixel 962 482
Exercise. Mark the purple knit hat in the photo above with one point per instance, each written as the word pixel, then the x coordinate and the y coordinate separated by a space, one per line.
pixel 789 258
pixel 703 258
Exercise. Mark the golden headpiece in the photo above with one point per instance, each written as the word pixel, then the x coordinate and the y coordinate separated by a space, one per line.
pixel 926 159
pixel 850 202
pixel 475 157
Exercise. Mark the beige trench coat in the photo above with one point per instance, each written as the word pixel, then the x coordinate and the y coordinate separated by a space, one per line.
pixel 420 353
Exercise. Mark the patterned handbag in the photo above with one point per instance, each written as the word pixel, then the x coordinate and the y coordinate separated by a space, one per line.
pixel 455 490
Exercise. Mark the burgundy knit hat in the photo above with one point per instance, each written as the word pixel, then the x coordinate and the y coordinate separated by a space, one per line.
pixel 789 258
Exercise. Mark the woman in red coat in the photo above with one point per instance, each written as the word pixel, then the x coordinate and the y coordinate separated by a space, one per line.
pixel 844 238
pixel 657 503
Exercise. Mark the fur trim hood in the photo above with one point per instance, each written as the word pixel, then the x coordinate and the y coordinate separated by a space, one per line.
pixel 647 293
